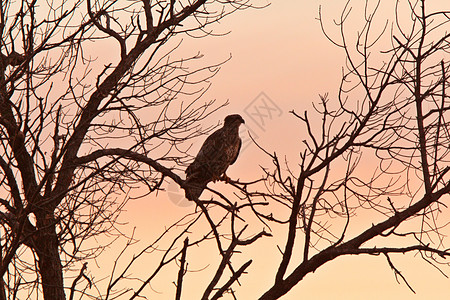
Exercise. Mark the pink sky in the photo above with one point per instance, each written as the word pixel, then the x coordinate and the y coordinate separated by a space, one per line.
pixel 281 51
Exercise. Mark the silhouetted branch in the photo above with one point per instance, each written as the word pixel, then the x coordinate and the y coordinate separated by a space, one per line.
pixel 232 279
pixel 75 281
pixel 183 266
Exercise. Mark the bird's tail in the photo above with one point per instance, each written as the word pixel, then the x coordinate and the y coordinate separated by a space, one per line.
pixel 194 188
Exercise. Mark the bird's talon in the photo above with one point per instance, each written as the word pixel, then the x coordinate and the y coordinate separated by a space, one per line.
pixel 225 178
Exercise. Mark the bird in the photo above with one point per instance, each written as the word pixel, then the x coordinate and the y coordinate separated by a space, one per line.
pixel 218 152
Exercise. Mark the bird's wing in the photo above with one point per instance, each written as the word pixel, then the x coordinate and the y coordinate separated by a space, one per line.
pixel 237 152
pixel 211 150
pixel 214 146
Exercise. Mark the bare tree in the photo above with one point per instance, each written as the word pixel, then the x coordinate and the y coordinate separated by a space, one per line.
pixel 390 117
pixel 78 132
pixel 82 127
pixel 380 149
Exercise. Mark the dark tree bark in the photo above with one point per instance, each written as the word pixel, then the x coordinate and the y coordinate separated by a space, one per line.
pixel 49 260
pixel 59 173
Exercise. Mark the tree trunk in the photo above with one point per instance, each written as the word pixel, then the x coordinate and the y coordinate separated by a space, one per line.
pixel 2 290
pixel 49 262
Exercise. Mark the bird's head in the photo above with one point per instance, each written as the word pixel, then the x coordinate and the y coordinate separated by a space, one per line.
pixel 234 119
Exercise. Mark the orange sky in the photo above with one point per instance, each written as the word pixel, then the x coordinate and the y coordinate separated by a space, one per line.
pixel 281 51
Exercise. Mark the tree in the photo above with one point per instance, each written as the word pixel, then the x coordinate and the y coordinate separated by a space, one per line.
pixel 77 139
pixel 78 130
pixel 390 116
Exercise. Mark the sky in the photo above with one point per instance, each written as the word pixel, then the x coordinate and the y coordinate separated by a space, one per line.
pixel 280 57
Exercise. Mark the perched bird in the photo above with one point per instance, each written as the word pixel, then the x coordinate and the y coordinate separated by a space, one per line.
pixel 217 153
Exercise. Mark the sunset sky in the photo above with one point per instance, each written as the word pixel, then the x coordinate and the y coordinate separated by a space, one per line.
pixel 280 55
